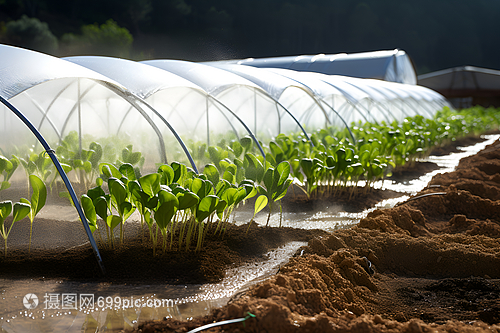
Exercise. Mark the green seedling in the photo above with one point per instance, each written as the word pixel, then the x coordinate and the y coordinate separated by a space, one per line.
pixel 36 202
pixel 260 204
pixel 254 169
pixel 168 205
pixel 120 201
pixel 276 182
pixel 205 208
pixel 20 212
pixel 37 164
pixel 90 213
pixel 7 168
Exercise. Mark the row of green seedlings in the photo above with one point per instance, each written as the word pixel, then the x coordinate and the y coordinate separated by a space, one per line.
pixel 333 162
pixel 177 201
pixel 22 209
pixel 82 163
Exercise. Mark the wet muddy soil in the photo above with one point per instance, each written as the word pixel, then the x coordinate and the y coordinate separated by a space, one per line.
pixel 430 264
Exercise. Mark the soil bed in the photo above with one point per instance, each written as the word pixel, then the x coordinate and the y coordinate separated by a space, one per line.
pixel 431 264
pixel 134 262
pixel 428 264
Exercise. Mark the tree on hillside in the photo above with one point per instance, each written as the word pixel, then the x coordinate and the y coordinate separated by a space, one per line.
pixel 106 39
pixel 32 34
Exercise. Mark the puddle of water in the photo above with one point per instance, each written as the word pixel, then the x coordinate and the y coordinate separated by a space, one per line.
pixel 67 306
pixel 117 307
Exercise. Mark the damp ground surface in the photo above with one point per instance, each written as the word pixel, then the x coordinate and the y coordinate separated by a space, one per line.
pixel 430 264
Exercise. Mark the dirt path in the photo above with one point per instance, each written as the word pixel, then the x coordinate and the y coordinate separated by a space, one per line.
pixel 431 264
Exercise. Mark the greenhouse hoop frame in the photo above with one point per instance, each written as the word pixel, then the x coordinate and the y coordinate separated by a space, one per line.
pixel 64 177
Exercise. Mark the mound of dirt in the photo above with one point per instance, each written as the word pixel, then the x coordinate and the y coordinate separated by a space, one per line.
pixel 431 264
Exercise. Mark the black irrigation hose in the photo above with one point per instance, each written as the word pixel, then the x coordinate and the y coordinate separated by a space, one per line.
pixel 220 323
pixel 422 196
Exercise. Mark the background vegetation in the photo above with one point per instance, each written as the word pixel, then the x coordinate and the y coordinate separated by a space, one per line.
pixel 436 34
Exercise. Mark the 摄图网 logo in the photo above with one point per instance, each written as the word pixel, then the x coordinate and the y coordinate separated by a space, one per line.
pixel 30 301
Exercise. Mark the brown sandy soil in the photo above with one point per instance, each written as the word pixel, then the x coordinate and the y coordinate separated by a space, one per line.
pixel 431 264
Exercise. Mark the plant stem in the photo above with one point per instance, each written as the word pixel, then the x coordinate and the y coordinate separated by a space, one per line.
pixel 31 231
pixel 121 232
pixel 281 213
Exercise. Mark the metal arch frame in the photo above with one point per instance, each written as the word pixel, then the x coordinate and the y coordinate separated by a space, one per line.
pixel 342 119
pixel 148 119
pixel 277 104
pixel 387 112
pixel 64 177
pixel 308 93
pixel 207 97
pixel 217 101
pixel 132 99
pixel 210 96
pixel 45 114
pixel 355 105
pixel 321 107
pixel 252 135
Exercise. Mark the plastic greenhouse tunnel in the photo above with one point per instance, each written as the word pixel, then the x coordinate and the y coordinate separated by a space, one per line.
pixel 175 99
pixel 69 122
pixel 246 100
pixel 350 106
pixel 83 117
pixel 301 104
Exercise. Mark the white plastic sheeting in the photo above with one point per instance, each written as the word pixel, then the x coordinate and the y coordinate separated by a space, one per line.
pixel 247 100
pixel 369 99
pixel 393 65
pixel 59 97
pixel 188 108
pixel 295 97
pixel 103 96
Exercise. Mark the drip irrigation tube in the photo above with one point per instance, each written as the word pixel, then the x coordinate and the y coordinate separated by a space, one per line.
pixel 63 175
pixel 422 196
pixel 220 323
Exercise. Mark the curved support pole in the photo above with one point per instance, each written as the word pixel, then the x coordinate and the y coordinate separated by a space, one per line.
pixel 51 123
pixel 343 121
pixel 244 125
pixel 225 116
pixel 296 121
pixel 64 177
pixel 133 100
pixel 45 114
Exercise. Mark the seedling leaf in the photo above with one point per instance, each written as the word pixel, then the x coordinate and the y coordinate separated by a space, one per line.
pixel 150 183
pixel 21 210
pixel 212 173
pixel 39 195
pixel 260 204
